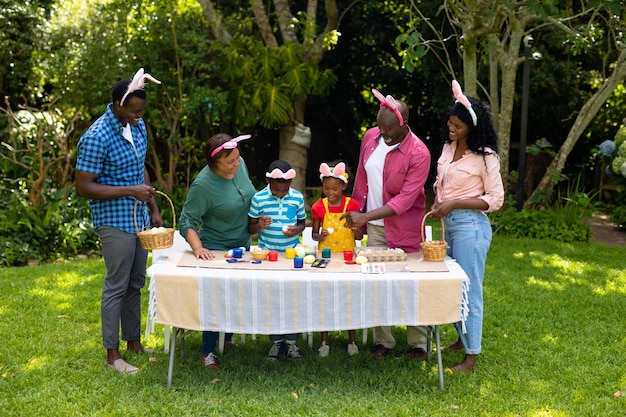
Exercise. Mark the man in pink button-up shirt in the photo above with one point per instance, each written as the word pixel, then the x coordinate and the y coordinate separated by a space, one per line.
pixel 389 186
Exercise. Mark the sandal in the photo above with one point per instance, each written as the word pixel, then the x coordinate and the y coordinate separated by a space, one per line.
pixel 120 365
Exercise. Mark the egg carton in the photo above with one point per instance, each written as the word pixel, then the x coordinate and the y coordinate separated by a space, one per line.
pixel 374 254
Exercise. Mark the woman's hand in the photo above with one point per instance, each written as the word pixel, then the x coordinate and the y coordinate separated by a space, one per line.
pixel 440 210
pixel 204 254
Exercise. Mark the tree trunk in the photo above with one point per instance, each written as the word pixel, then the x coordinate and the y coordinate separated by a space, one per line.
pixel 586 115
pixel 295 154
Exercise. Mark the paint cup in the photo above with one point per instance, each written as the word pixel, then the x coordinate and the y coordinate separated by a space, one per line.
pixel 237 252
pixel 290 253
pixel 326 253
pixel 272 256
pixel 298 262
pixel 348 255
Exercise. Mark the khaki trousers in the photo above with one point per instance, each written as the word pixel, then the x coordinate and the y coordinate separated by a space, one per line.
pixel 382 334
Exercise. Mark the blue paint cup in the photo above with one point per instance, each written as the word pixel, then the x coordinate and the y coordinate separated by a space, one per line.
pixel 237 252
pixel 298 262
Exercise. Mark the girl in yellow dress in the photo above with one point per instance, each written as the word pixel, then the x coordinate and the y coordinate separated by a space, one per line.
pixel 330 231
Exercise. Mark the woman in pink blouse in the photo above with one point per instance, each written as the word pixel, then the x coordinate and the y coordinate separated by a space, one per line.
pixel 468 185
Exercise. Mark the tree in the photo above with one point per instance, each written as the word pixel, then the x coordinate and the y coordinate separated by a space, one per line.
pixel 273 65
pixel 492 32
pixel 89 46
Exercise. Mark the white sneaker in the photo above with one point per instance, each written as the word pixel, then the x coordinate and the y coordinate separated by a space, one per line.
pixel 324 350
pixel 292 351
pixel 352 349
pixel 210 360
pixel 274 351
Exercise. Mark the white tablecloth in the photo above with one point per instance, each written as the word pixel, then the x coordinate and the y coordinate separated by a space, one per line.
pixel 255 301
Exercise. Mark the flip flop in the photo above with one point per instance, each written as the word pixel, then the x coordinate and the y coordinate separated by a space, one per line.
pixel 120 365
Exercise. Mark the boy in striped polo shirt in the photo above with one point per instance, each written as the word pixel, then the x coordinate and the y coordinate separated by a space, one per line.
pixel 277 215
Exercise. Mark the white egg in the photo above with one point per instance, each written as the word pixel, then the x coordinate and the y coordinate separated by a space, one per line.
pixel 330 230
pixel 285 229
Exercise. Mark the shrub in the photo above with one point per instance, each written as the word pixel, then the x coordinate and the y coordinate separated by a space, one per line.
pixel 59 229
pixel 618 217
pixel 541 224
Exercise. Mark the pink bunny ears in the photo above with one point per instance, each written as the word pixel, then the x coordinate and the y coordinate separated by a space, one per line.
pixel 231 144
pixel 461 98
pixel 277 174
pixel 338 171
pixel 138 82
pixel 390 103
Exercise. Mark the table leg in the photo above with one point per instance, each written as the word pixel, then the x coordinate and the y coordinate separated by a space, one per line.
pixel 220 342
pixel 439 361
pixel 170 369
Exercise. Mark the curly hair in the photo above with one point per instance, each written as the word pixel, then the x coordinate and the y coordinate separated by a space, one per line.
pixel 119 89
pixel 480 136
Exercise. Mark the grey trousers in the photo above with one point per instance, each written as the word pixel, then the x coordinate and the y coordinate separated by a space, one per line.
pixel 383 336
pixel 125 261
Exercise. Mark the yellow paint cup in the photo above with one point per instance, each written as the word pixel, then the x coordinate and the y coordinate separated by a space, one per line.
pixel 290 253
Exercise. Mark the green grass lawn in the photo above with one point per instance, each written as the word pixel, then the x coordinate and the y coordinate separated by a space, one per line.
pixel 554 345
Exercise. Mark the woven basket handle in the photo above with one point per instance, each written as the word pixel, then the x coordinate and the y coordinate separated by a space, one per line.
pixel 171 205
pixel 424 223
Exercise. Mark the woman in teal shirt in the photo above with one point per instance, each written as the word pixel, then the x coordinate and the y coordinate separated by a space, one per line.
pixel 215 214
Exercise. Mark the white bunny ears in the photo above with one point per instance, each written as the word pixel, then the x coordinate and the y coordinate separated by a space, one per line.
pixel 461 98
pixel 390 103
pixel 338 171
pixel 138 83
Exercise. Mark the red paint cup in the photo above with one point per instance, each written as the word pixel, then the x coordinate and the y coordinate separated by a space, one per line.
pixel 272 256
pixel 348 255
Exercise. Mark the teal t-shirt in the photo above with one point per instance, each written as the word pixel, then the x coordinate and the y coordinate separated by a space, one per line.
pixel 217 209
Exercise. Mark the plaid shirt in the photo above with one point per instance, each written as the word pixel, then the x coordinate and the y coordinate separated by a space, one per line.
pixel 103 150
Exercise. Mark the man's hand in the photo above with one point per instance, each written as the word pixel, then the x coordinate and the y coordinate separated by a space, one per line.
pixel 144 192
pixel 354 219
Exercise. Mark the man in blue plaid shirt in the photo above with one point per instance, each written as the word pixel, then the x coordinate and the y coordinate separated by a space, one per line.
pixel 111 172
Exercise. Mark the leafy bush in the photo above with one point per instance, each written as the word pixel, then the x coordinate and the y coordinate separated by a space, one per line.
pixel 618 217
pixel 59 229
pixel 541 224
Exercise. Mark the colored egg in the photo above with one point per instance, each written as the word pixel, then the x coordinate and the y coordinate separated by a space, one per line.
pixel 361 260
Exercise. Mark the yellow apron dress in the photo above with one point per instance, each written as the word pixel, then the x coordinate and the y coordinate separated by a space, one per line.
pixel 342 238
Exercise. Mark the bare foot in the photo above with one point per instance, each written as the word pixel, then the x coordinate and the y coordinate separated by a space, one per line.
pixel 135 346
pixel 458 345
pixel 468 364
pixel 112 356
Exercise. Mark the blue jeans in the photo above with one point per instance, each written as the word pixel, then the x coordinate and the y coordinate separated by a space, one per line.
pixel 468 233
pixel 209 341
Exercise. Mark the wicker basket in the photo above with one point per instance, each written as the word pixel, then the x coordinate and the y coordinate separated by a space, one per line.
pixel 159 240
pixel 433 250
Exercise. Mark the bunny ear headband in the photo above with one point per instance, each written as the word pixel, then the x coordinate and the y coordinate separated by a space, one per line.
pixel 390 103
pixel 231 144
pixel 461 98
pixel 138 82
pixel 339 172
pixel 277 174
